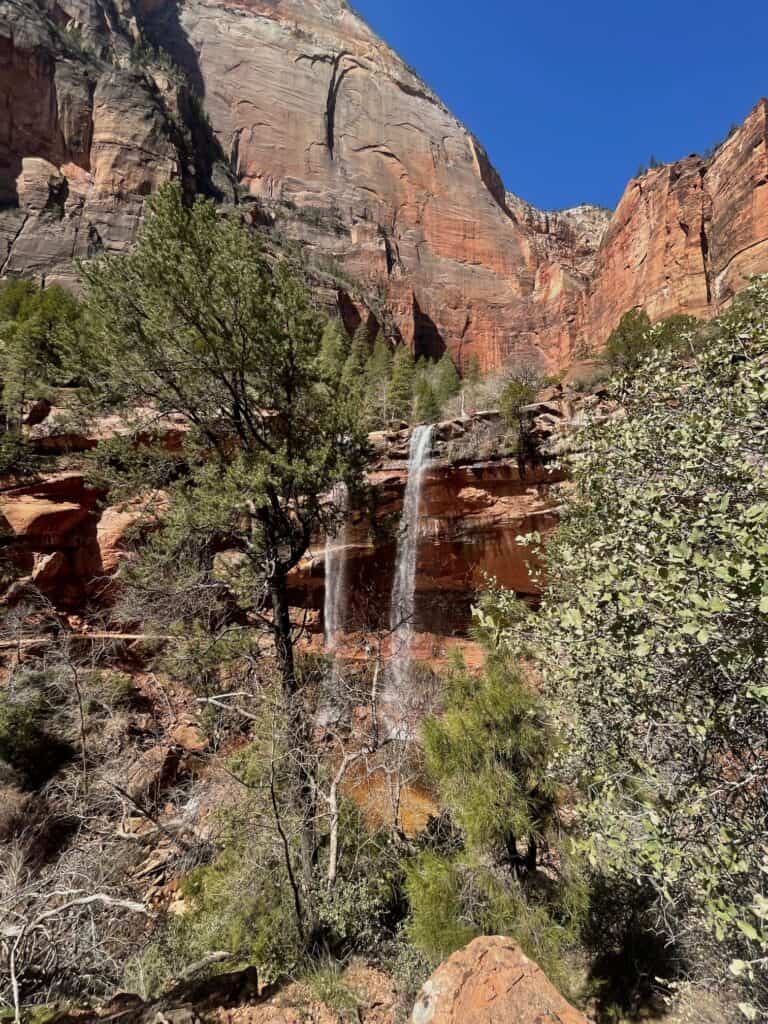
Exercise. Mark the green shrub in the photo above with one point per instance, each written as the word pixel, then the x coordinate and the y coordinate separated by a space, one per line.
pixel 28 741
pixel 326 983
pixel 652 642
pixel 516 394
pixel 437 926
pixel 21 716
pixel 16 456
pixel 635 338
pixel 453 899
pixel 242 901
pixel 628 343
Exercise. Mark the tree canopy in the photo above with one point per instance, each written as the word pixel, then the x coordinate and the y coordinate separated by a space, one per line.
pixel 653 638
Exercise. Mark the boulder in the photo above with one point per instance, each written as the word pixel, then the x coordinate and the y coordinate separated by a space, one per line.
pixel 491 981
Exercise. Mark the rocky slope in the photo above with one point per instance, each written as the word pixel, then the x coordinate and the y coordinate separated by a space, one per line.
pixel 478 496
pixel 491 981
pixel 332 140
pixel 82 141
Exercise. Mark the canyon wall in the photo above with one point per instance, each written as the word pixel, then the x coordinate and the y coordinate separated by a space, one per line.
pixel 685 236
pixel 295 111
pixel 478 496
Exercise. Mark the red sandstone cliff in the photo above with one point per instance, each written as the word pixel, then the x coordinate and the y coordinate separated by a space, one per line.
pixel 685 237
pixel 335 142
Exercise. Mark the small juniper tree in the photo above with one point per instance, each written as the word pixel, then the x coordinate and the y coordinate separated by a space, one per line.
pixel 200 324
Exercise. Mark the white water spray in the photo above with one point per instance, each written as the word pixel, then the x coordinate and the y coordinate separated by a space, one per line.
pixel 335 606
pixel 403 602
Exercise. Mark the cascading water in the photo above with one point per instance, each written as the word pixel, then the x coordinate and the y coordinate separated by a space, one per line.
pixel 335 603
pixel 334 611
pixel 403 602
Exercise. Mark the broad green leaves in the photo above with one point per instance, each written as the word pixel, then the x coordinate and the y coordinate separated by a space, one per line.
pixel 653 635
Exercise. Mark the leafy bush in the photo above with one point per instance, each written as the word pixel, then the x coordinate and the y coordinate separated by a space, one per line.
pixel 516 394
pixel 241 902
pixel 653 636
pixel 635 339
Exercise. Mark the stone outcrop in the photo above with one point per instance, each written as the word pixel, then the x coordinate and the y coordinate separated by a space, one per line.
pixel 85 135
pixel 685 236
pixel 335 143
pixel 64 544
pixel 491 981
pixel 478 496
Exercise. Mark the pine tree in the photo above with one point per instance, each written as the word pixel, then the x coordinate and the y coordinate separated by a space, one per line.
pixel 426 406
pixel 334 349
pixel 198 323
pixel 378 374
pixel 403 384
pixel 353 374
pixel 446 382
pixel 34 323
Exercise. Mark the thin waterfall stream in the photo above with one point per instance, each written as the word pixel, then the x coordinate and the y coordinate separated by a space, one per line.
pixel 403 603
pixel 335 601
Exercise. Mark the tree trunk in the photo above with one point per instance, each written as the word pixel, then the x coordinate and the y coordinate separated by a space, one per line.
pixel 299 733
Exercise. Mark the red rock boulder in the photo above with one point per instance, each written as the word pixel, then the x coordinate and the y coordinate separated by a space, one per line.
pixel 491 981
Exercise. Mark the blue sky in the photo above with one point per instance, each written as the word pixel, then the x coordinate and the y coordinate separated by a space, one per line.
pixel 569 98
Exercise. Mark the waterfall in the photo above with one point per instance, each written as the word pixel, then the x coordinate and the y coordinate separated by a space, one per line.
pixel 404 586
pixel 335 606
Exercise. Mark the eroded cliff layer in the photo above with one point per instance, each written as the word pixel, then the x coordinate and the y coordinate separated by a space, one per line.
pixel 335 142
pixel 685 236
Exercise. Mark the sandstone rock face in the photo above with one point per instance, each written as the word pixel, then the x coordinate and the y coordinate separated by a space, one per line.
pixel 471 515
pixel 83 139
pixel 353 154
pixel 337 144
pixel 70 548
pixel 491 981
pixel 685 237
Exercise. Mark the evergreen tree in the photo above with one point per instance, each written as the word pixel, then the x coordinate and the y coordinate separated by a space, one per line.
pixel 197 323
pixel 378 374
pixel 353 374
pixel 426 406
pixel 403 384
pixel 630 342
pixel 34 327
pixel 334 349
pixel 488 755
pixel 446 382
pixel 516 394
